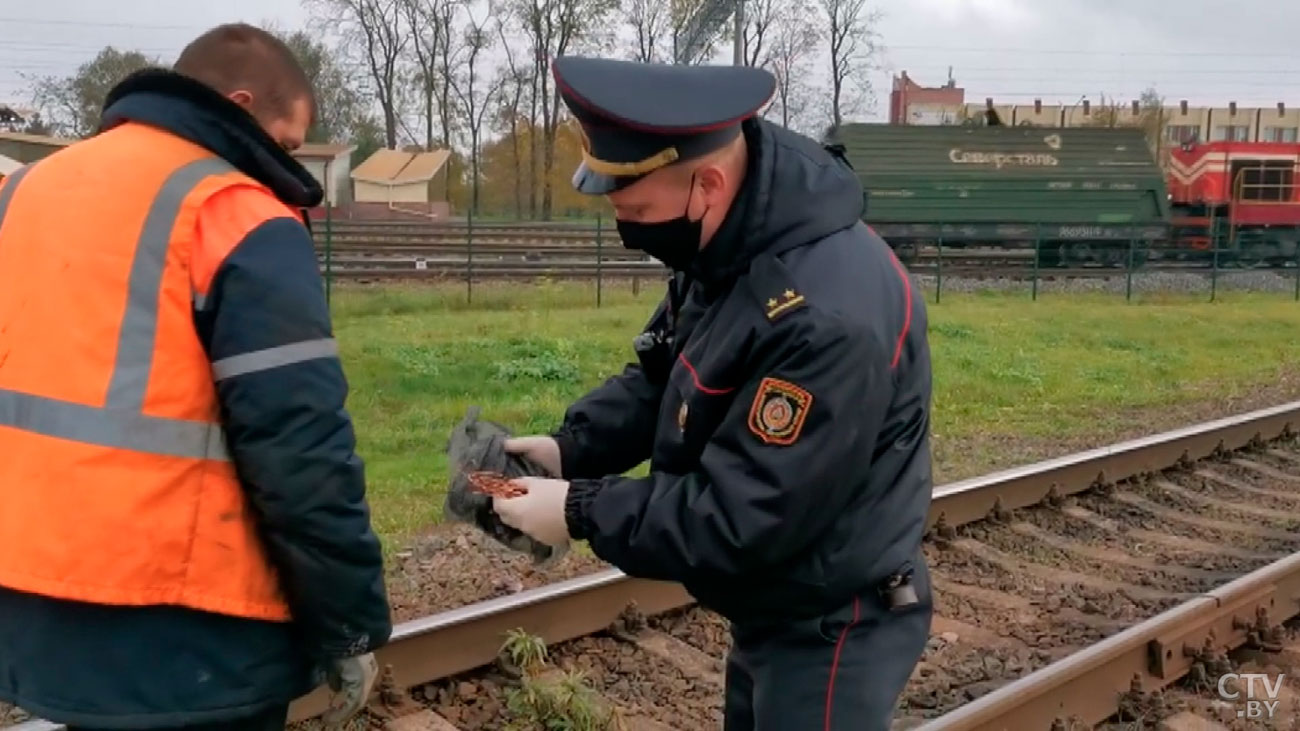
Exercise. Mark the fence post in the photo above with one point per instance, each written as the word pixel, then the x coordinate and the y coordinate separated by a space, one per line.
pixel 938 272
pixel 1128 284
pixel 469 256
pixel 329 252
pixel 599 257
pixel 1038 243
pixel 1214 270
pixel 1297 272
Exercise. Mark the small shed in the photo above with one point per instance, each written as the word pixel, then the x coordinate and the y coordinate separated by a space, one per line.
pixel 27 148
pixel 329 160
pixel 398 178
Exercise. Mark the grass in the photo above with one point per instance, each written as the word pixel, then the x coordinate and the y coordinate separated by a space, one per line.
pixel 547 698
pixel 1004 367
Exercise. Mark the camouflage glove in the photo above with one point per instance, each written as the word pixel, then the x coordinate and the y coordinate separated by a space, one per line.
pixel 477 444
pixel 351 679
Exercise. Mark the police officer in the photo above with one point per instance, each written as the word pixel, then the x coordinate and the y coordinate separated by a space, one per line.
pixel 187 540
pixel 781 393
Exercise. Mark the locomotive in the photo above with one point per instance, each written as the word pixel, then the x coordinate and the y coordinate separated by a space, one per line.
pixel 1241 198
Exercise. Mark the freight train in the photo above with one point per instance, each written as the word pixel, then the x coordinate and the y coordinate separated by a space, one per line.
pixel 1079 196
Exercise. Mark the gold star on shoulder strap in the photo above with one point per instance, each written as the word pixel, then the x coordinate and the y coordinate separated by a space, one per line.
pixel 789 300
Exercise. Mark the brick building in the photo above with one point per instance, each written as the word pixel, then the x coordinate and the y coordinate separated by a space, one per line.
pixel 911 103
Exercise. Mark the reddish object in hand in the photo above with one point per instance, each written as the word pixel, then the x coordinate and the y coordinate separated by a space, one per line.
pixel 494 484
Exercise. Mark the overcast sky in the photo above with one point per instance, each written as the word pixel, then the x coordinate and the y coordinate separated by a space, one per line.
pixel 1206 51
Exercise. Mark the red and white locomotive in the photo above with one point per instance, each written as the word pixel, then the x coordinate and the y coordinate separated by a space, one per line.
pixel 1241 197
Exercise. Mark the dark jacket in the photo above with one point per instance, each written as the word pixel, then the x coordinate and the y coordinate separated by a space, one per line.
pixel 785 408
pixel 293 447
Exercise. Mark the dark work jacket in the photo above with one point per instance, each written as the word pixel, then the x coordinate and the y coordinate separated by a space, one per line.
pixel 293 447
pixel 785 412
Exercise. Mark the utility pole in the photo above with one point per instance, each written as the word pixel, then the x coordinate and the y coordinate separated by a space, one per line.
pixel 738 51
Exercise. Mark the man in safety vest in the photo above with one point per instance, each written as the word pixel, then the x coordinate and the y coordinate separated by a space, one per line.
pixel 187 542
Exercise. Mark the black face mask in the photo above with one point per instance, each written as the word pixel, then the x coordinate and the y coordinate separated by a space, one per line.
pixel 675 242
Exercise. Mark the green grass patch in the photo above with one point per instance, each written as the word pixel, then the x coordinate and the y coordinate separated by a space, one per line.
pixel 417 358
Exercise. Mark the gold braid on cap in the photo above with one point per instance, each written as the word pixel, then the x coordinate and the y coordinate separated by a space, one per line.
pixel 625 169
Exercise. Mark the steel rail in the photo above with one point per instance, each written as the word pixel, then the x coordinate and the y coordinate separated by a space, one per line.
pixel 455 641
pixel 1145 657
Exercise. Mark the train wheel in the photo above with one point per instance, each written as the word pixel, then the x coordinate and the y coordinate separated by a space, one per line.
pixel 1077 253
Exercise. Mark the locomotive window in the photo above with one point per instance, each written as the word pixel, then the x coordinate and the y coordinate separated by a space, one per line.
pixel 1262 180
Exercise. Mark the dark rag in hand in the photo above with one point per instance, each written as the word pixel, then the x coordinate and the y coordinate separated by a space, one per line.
pixel 479 445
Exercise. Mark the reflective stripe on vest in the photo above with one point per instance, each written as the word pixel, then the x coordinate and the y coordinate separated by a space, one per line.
pixel 121 423
pixel 268 358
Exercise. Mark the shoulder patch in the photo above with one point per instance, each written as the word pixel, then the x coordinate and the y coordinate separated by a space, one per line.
pixel 779 410
pixel 774 288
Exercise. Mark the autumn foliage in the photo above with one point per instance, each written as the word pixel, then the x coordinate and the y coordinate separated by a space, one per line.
pixel 511 185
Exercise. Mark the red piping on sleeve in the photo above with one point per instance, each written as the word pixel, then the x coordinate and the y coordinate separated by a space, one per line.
pixel 907 317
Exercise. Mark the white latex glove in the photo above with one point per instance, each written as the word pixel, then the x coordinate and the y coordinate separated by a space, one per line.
pixel 350 681
pixel 542 450
pixel 540 513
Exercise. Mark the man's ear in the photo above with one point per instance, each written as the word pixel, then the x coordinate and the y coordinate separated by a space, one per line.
pixel 713 181
pixel 243 98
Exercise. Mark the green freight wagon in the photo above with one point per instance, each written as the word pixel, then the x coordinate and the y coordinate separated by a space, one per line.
pixel 1078 194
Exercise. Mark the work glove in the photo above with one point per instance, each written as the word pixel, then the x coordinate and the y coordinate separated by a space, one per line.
pixel 350 679
pixel 545 451
pixel 479 445
pixel 540 513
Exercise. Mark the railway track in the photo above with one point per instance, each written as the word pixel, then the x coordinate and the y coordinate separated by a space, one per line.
pixel 400 251
pixel 1104 590
pixel 386 264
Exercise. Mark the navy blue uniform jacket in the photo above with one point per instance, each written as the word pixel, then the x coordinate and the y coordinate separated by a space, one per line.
pixel 787 423
pixel 294 450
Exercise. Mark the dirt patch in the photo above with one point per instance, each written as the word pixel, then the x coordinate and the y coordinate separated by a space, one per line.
pixel 704 630
pixel 643 685
pixel 636 683
pixel 455 564
pixel 475 701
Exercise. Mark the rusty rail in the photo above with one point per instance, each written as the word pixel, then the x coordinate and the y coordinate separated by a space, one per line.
pixel 462 639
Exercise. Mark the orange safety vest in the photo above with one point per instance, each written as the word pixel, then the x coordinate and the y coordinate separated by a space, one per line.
pixel 115 483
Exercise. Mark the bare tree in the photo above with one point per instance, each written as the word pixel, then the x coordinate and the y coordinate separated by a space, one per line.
pixel 428 37
pixel 760 17
pixel 850 32
pixel 554 28
pixel 697 26
pixel 794 40
pixel 450 56
pixel 475 93
pixel 650 20
pixel 517 78
pixel 378 29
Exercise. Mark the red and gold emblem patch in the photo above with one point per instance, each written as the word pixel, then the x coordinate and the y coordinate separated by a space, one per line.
pixel 778 412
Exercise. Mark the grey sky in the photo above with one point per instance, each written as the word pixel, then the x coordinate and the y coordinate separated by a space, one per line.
pixel 1013 50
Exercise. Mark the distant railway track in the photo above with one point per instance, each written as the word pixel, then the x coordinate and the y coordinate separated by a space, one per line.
pixel 381 262
pixel 1146 566
pixel 420 251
